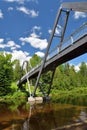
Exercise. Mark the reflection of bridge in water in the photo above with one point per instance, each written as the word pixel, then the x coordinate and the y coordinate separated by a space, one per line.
pixel 55 117
pixel 67 49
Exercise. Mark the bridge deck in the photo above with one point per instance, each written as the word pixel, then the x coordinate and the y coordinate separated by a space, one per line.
pixel 75 49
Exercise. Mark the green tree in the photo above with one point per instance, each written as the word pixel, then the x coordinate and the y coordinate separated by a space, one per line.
pixel 35 60
pixel 72 77
pixel 6 73
pixel 58 82
pixel 83 74
pixel 17 70
pixel 45 81
pixel 65 77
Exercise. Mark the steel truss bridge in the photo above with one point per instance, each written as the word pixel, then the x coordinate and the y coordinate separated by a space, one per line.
pixel 67 49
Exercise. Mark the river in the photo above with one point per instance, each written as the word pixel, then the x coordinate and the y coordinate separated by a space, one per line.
pixel 43 116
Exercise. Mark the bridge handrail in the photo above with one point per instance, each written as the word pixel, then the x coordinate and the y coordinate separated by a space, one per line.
pixel 70 40
pixel 32 69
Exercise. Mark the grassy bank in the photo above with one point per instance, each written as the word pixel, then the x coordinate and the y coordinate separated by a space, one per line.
pixel 58 96
pixel 14 95
pixel 70 96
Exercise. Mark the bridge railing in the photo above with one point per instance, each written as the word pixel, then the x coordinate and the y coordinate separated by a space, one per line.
pixel 68 41
pixel 34 68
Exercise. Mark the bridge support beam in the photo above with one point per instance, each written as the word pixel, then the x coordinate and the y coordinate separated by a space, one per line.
pixel 51 82
pixel 50 41
pixel 46 54
pixel 64 29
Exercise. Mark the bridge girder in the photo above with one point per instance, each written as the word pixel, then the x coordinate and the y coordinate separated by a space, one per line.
pixel 76 6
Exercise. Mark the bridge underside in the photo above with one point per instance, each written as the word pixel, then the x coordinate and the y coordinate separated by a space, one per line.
pixel 74 50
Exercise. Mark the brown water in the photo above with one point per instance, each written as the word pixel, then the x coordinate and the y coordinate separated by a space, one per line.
pixel 45 116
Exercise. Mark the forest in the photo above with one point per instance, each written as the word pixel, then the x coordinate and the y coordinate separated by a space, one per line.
pixel 66 78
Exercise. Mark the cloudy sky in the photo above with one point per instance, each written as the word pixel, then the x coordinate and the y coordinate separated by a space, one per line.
pixel 25 26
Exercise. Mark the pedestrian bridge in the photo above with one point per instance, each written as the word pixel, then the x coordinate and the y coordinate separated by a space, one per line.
pixel 67 49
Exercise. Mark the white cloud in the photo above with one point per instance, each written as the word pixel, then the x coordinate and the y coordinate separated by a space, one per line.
pixel 57 31
pixel 13 45
pixel 34 35
pixel 41 54
pixel 19 1
pixel 2 46
pixel 49 31
pixel 10 44
pixel 1 14
pixel 1 40
pixel 31 13
pixel 35 41
pixel 20 55
pixel 36 28
pixel 76 67
pixel 36 1
pixel 23 9
pixel 1 43
pixel 10 8
pixel 78 15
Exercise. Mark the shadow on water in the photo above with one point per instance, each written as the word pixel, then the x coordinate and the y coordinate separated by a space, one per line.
pixel 45 116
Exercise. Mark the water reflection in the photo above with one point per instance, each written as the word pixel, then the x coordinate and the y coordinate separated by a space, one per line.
pixel 46 116
pixel 83 116
pixel 26 122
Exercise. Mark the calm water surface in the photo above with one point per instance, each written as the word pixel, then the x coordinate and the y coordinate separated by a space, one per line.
pixel 45 116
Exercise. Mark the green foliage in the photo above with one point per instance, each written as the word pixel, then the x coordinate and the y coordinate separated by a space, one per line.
pixel 14 87
pixel 67 78
pixel 45 80
pixel 18 95
pixel 83 74
pixel 59 79
pixel 17 70
pixel 35 60
pixel 16 98
pixel 6 73
pixel 71 96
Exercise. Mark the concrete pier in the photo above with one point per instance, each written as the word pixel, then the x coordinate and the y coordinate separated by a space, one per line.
pixel 33 100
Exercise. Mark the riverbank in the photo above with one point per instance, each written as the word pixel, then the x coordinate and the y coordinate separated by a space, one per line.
pixel 70 96
pixel 57 96
pixel 15 97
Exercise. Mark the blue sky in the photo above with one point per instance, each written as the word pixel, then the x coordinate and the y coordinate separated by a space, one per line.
pixel 25 26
